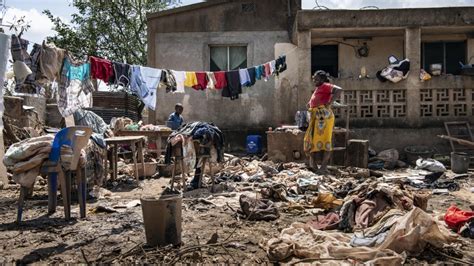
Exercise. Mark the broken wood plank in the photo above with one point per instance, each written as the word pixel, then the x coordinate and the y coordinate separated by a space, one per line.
pixel 463 142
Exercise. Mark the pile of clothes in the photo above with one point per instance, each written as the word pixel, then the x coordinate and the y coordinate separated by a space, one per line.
pixel 207 134
pixel 388 223
pixel 209 141
pixel 386 243
pixel 125 123
pixel 25 158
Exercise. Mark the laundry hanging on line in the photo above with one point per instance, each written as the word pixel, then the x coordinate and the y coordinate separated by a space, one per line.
pixel 47 61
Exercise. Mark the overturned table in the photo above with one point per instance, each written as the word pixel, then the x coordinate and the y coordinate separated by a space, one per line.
pixel 136 145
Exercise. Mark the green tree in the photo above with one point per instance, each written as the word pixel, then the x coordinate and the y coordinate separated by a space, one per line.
pixel 112 29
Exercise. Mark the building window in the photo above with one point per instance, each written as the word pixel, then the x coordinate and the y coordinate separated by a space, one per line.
pixel 448 54
pixel 325 57
pixel 224 58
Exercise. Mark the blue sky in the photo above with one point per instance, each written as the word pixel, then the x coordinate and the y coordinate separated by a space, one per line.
pixel 41 26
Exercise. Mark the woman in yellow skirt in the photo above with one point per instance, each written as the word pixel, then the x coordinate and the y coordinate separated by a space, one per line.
pixel 318 137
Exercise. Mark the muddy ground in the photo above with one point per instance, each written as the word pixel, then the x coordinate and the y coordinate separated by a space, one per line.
pixel 119 237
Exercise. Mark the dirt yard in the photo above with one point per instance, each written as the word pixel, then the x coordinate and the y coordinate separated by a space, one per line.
pixel 212 230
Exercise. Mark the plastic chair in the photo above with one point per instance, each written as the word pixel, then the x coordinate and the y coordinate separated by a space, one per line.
pixel 76 138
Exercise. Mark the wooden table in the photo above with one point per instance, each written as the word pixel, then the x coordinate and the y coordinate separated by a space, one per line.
pixel 152 135
pixel 136 144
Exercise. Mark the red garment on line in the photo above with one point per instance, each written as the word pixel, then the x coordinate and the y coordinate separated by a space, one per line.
pixel 101 69
pixel 202 81
pixel 268 70
pixel 321 96
pixel 221 81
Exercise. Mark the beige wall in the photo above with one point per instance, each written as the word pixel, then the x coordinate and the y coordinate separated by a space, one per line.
pixel 189 51
pixel 380 48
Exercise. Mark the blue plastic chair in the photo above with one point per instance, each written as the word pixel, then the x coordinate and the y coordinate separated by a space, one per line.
pixel 76 138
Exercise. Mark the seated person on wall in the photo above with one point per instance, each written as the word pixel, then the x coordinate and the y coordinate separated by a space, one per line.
pixel 175 120
pixel 318 137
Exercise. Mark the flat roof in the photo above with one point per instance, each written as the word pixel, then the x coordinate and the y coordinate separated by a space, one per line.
pixel 401 17
pixel 187 8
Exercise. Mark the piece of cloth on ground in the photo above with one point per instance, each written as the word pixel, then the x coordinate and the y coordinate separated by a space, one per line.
pixel 467 230
pixel 414 231
pixel 326 201
pixel 410 235
pixel 258 209
pixel 302 241
pixel 455 218
pixel 376 234
pixel 368 241
pixel 347 214
pixel 371 208
pixel 384 223
pixel 329 221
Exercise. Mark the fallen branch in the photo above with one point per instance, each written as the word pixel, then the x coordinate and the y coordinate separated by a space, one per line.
pixel 123 255
pixel 85 258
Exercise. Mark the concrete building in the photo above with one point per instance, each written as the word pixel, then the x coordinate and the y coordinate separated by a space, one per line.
pixel 388 114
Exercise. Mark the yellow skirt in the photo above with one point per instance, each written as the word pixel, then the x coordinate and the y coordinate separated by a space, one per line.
pixel 318 136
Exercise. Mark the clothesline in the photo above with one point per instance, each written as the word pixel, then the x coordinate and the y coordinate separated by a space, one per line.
pixel 284 54
pixel 47 63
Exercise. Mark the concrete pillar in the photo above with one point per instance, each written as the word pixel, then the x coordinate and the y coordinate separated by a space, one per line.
pixel 413 53
pixel 305 86
pixel 470 51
